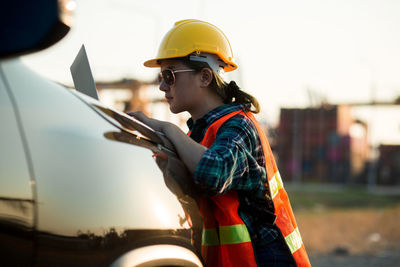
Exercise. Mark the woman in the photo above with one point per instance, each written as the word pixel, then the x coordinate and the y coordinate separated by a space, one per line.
pixel 246 214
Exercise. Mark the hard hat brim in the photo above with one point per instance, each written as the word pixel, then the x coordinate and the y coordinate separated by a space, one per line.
pixel 155 63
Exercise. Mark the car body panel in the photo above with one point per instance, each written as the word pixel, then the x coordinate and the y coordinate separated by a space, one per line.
pixel 16 198
pixel 95 196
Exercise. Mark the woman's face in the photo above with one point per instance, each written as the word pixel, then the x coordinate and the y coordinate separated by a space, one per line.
pixel 184 94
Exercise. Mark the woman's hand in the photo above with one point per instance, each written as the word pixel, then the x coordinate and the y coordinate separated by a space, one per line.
pixel 188 150
pixel 157 125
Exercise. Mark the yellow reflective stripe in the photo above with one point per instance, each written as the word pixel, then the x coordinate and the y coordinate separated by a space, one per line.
pixel 209 237
pixel 294 240
pixel 231 234
pixel 234 234
pixel 279 179
pixel 275 184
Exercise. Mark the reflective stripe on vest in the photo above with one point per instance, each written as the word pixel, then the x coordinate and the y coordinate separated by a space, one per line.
pixel 231 234
pixel 275 184
pixel 209 237
pixel 294 240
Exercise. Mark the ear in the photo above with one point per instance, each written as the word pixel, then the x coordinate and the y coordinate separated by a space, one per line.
pixel 206 76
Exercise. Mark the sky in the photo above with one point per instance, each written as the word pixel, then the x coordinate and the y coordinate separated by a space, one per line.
pixel 290 53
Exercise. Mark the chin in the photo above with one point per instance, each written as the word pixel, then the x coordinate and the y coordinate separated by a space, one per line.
pixel 175 109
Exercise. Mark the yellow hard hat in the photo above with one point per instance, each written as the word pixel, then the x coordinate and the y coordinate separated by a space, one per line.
pixel 194 37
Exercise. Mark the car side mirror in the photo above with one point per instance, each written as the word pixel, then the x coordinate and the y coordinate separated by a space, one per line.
pixel 28 26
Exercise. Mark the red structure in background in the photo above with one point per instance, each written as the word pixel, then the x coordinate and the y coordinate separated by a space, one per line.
pixel 388 168
pixel 314 144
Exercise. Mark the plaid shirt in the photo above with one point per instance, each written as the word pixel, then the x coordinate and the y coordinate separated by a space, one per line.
pixel 236 161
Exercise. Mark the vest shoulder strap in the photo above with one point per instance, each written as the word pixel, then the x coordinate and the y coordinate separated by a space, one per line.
pixel 212 130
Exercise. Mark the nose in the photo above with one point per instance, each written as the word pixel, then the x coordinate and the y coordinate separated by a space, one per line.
pixel 164 86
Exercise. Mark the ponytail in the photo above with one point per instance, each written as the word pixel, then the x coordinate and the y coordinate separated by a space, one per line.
pixel 233 94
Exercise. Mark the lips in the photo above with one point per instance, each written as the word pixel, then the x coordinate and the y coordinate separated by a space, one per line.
pixel 168 98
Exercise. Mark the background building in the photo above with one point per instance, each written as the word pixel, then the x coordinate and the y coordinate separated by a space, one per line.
pixel 340 143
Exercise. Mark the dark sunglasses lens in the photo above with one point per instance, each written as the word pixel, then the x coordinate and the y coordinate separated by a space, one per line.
pixel 168 77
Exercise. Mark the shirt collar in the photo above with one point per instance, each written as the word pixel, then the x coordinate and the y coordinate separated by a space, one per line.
pixel 213 115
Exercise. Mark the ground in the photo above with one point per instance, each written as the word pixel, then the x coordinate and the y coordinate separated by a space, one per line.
pixel 343 226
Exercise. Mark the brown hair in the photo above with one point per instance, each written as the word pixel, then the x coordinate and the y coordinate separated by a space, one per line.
pixel 229 92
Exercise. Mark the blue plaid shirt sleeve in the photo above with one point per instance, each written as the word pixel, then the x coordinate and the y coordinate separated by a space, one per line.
pixel 234 161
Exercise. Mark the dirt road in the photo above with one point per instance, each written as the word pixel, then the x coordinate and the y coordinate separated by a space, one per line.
pixel 385 259
pixel 352 237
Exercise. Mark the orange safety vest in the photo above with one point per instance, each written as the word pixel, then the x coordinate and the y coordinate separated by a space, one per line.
pixel 225 238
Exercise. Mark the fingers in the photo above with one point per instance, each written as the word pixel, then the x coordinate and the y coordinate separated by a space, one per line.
pixel 153 123
pixel 139 116
pixel 136 114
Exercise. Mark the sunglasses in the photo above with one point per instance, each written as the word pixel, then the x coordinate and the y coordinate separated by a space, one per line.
pixel 168 76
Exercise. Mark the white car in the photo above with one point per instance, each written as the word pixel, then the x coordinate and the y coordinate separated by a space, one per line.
pixel 78 183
